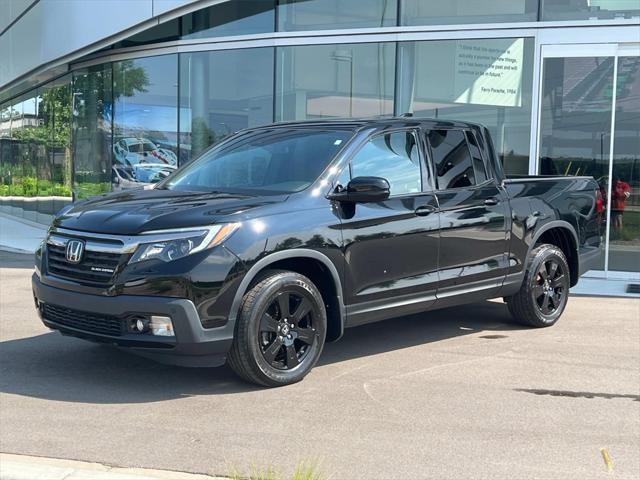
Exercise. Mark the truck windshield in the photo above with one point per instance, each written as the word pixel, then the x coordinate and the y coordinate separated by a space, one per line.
pixel 271 161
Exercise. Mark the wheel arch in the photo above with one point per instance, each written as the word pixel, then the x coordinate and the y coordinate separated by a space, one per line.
pixel 313 265
pixel 563 235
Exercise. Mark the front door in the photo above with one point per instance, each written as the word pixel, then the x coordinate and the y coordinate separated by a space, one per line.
pixel 589 124
pixel 391 247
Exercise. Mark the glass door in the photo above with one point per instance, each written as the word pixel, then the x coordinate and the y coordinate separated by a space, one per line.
pixel 623 239
pixel 589 124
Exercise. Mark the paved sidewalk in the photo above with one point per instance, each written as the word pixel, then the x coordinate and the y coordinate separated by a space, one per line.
pixel 23 467
pixel 20 236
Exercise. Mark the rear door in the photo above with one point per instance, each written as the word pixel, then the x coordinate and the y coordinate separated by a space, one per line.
pixel 473 223
pixel 391 247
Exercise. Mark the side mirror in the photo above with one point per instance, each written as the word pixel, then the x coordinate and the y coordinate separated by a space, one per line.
pixel 363 190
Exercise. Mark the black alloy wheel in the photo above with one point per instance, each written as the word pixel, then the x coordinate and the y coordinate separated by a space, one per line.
pixel 550 287
pixel 544 291
pixel 287 330
pixel 280 331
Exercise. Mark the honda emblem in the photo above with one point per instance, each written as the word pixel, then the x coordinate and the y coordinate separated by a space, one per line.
pixel 75 249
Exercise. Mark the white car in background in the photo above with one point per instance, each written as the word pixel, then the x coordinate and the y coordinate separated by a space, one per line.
pixel 133 150
pixel 125 177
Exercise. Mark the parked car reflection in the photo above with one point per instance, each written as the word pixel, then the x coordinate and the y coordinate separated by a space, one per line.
pixel 125 177
pixel 132 151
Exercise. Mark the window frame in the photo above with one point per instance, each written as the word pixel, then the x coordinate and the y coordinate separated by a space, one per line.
pixel 425 180
pixel 465 131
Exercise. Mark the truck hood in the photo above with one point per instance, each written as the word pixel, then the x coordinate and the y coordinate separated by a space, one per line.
pixel 135 211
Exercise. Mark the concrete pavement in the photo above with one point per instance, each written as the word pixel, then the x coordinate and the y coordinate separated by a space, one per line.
pixel 459 393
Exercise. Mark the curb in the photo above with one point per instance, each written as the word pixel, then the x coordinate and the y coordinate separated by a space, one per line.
pixel 24 467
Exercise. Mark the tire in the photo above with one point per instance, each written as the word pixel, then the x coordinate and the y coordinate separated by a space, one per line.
pixel 268 351
pixel 545 289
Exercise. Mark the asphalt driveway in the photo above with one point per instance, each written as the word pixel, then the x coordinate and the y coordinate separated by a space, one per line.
pixel 459 393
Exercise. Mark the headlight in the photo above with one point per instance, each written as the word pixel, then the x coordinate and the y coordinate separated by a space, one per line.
pixel 169 245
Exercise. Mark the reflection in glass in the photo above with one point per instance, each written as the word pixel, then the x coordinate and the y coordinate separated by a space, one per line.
pixel 163 32
pixel 238 17
pixel 222 92
pixel 57 107
pixel 348 80
pixel 394 157
pixel 488 81
pixel 296 15
pixel 11 167
pixel 35 157
pixel 588 10
pixel 145 122
pixel 5 156
pixel 575 118
pixel 24 156
pixel 92 104
pixel 624 233
pixel 437 12
pixel 451 159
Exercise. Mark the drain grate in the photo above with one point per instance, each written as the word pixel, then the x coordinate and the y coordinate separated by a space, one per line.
pixel 633 288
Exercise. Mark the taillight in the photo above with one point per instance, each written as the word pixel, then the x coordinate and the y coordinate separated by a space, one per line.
pixel 599 202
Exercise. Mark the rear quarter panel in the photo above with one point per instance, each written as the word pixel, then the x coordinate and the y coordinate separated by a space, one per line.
pixel 538 201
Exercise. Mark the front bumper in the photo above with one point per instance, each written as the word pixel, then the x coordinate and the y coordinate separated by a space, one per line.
pixel 192 345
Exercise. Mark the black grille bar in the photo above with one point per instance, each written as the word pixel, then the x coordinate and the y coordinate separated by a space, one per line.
pixel 88 322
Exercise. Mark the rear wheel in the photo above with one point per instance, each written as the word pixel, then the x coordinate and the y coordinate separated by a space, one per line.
pixel 545 289
pixel 280 331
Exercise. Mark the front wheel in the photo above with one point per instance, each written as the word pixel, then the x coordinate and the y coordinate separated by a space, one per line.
pixel 545 289
pixel 280 331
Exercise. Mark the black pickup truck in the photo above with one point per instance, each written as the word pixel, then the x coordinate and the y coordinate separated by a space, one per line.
pixel 280 237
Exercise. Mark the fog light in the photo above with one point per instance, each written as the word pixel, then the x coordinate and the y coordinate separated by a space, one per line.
pixel 161 326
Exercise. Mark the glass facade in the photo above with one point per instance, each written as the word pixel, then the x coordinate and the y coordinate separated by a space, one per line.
pixel 92 103
pixel 35 157
pixel 240 17
pixel 222 92
pixel 624 226
pixel 580 97
pixel 145 120
pixel 347 80
pixel 488 81
pixel 589 10
pixel 296 15
pixel 437 12
pixel 132 119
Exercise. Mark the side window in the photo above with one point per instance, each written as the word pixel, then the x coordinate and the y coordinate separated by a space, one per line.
pixel 478 162
pixel 451 159
pixel 393 156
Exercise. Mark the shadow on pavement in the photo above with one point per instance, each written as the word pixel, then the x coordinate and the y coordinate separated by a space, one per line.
pixel 54 367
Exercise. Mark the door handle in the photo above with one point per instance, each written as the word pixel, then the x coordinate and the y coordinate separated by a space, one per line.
pixel 425 210
pixel 491 202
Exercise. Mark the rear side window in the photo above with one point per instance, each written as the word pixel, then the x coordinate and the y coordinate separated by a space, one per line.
pixel 393 156
pixel 478 162
pixel 454 165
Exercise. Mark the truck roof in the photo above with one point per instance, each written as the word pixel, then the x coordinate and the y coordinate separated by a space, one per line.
pixel 377 122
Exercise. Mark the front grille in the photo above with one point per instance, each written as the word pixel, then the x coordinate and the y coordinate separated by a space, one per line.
pixel 88 322
pixel 95 267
